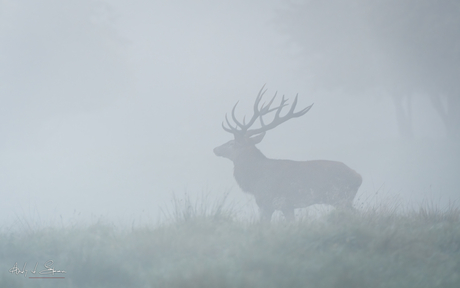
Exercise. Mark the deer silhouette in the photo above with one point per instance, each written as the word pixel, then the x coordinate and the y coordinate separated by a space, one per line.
pixel 283 184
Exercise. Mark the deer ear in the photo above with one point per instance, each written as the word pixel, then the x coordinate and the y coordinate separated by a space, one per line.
pixel 256 139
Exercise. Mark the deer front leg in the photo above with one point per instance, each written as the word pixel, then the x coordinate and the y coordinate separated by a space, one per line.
pixel 265 209
pixel 266 214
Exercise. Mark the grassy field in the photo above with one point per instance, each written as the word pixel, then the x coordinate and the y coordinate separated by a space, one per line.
pixel 342 249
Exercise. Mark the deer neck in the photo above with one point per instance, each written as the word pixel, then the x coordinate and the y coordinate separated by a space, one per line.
pixel 248 157
pixel 247 167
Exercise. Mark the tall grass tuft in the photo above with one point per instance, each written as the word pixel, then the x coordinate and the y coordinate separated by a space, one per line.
pixel 185 209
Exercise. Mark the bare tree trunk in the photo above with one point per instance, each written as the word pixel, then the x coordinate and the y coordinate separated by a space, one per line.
pixel 403 108
pixel 448 113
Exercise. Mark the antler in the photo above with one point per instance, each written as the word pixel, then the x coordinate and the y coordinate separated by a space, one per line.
pixel 259 113
pixel 243 126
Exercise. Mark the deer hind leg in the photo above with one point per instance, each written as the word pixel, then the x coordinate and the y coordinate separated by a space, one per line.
pixel 288 214
pixel 347 202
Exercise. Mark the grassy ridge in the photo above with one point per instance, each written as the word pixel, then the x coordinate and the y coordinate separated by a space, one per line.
pixel 342 249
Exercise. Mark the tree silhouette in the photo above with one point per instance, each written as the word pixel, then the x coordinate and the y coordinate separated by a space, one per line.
pixel 401 47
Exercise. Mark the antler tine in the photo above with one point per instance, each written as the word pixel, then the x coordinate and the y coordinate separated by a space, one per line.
pixel 277 119
pixel 243 126
pixel 231 129
pixel 256 109
pixel 256 114
pixel 234 117
pixel 301 112
pixel 225 128
pixel 283 103
pixel 305 110
pixel 259 97
pixel 266 109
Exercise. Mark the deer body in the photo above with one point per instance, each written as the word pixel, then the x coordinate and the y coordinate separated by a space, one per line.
pixel 285 184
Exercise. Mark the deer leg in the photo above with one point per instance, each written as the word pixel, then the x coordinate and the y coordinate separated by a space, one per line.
pixel 266 214
pixel 347 203
pixel 288 214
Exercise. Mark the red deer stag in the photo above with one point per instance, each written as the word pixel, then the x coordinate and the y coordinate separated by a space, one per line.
pixel 283 184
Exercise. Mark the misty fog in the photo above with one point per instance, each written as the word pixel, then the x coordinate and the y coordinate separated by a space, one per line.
pixel 110 107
